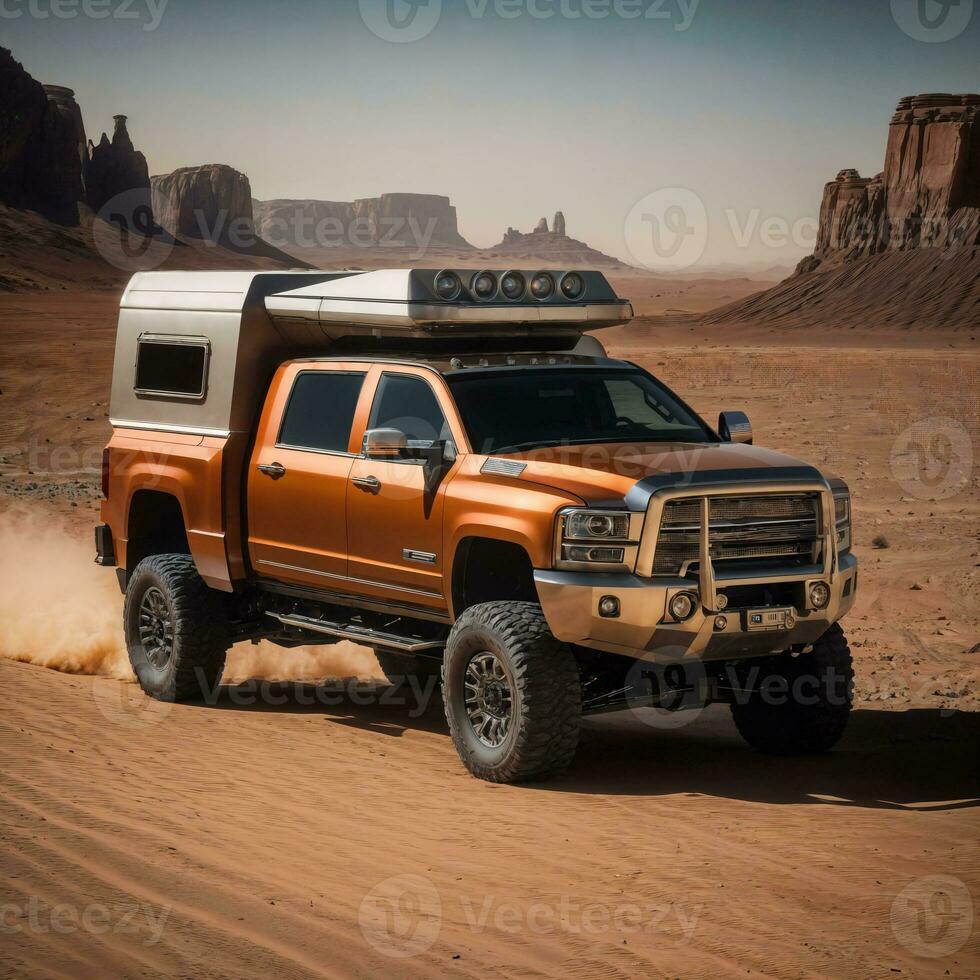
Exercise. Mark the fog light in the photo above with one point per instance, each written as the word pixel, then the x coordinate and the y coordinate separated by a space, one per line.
pixel 682 606
pixel 721 622
pixel 819 595
pixel 609 607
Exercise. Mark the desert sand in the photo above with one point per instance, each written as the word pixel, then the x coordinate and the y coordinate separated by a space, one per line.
pixel 309 825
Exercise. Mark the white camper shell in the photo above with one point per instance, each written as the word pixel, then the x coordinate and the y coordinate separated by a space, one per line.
pixel 195 351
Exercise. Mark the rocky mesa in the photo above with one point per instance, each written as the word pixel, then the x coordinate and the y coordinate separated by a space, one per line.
pixel 927 196
pixel 389 220
pixel 901 248
pixel 212 204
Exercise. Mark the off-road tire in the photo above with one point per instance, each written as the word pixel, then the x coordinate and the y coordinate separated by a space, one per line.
pixel 547 694
pixel 789 727
pixel 397 666
pixel 200 635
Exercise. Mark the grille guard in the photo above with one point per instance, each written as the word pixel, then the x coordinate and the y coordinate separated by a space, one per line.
pixel 707 574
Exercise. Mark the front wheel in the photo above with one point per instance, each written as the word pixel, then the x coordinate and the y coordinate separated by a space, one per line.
pixel 800 704
pixel 512 693
pixel 176 631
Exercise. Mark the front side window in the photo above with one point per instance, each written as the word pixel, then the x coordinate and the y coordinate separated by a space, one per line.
pixel 529 408
pixel 409 404
pixel 174 367
pixel 320 411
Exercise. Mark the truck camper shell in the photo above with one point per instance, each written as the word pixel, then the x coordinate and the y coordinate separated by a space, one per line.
pixel 195 350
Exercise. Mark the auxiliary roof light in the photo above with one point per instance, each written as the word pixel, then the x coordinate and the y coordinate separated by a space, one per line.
pixel 448 285
pixel 542 286
pixel 484 285
pixel 512 285
pixel 572 285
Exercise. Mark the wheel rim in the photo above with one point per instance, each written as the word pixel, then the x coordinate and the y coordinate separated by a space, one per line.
pixel 488 698
pixel 156 628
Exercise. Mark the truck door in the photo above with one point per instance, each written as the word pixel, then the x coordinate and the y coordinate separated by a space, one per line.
pixel 394 527
pixel 297 480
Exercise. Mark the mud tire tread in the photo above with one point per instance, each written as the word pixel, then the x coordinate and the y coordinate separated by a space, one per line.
pixel 547 677
pixel 201 638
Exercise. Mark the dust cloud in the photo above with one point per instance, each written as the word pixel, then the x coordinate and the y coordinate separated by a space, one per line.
pixel 60 610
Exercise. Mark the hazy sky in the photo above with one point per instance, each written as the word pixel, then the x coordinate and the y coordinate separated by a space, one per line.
pixel 749 105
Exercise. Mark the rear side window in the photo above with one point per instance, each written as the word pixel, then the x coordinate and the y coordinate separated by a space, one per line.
pixel 174 367
pixel 320 411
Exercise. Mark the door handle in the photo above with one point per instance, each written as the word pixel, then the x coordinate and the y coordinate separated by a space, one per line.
pixel 275 470
pixel 369 483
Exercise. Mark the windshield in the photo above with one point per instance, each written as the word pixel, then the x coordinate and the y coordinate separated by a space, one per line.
pixel 530 408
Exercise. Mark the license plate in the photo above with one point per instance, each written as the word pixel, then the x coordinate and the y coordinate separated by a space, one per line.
pixel 770 619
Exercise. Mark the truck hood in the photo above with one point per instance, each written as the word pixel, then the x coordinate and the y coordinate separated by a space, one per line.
pixel 628 473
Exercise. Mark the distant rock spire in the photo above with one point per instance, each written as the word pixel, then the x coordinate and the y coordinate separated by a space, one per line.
pixel 558 225
pixel 541 228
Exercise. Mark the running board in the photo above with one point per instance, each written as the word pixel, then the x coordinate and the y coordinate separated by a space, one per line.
pixel 358 634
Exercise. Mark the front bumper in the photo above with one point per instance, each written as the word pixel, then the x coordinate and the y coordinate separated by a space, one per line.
pixel 643 630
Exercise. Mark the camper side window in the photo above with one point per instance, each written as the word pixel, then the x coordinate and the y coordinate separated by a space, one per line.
pixel 176 367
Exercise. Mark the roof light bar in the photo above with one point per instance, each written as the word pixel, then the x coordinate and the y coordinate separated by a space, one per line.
pixel 427 302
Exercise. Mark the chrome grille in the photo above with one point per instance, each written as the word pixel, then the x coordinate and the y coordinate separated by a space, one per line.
pixel 763 526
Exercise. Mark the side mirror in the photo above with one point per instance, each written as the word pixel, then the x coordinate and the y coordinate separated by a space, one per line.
pixel 385 444
pixel 735 427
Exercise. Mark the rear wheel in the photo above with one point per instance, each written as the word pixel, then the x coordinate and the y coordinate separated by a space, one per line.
pixel 800 704
pixel 175 629
pixel 511 692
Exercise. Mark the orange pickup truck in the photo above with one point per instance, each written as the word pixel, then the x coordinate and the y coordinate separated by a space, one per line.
pixel 443 465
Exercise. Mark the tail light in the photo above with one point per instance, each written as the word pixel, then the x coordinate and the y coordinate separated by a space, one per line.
pixel 105 473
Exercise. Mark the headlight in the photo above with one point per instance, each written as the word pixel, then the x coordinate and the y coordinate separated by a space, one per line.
pixel 604 539
pixel 842 517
